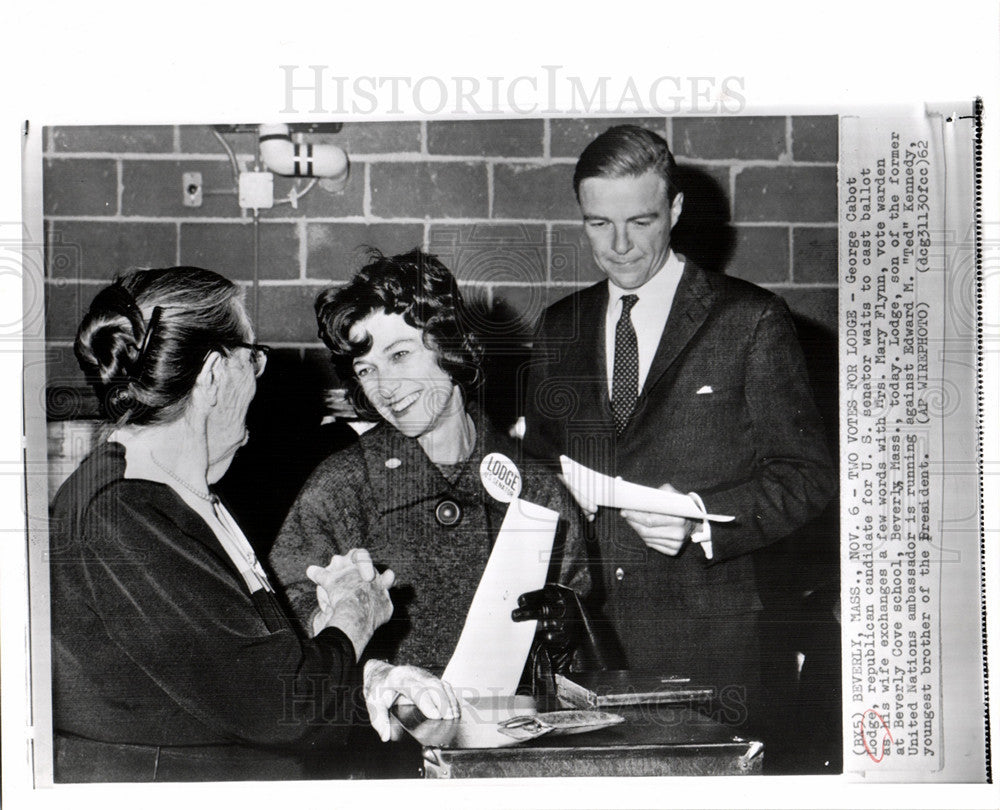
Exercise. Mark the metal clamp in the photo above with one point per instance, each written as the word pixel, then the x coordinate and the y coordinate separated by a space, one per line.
pixel 441 769
pixel 752 753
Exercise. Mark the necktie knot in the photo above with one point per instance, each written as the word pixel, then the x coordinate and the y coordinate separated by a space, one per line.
pixel 628 301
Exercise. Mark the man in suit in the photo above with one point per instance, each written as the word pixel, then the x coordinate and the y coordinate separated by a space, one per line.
pixel 676 378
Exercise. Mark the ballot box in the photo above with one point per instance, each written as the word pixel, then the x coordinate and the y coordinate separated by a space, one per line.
pixel 654 739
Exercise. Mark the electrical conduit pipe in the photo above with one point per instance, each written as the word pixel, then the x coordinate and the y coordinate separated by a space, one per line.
pixel 282 156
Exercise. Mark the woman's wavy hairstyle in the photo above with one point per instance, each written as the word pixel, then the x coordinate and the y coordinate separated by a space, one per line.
pixel 421 289
pixel 145 337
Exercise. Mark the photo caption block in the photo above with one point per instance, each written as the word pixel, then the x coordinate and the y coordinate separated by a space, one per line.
pixel 909 470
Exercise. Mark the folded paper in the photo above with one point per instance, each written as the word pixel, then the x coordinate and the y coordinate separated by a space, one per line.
pixel 493 649
pixel 591 486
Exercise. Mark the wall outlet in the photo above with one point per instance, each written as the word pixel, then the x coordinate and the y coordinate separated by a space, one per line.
pixel 191 189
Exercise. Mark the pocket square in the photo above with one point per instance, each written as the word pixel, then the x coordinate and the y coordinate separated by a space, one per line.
pixel 705 389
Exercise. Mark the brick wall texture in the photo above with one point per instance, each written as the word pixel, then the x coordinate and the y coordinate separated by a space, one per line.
pixel 492 198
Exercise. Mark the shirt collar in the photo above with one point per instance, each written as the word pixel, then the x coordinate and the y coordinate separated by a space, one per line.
pixel 661 285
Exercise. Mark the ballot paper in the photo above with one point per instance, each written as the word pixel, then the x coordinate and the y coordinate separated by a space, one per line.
pixel 493 648
pixel 589 485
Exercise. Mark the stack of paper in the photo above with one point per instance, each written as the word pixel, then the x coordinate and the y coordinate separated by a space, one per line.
pixel 590 486
pixel 493 649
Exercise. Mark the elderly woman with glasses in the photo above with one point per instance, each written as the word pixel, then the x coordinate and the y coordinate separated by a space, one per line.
pixel 172 658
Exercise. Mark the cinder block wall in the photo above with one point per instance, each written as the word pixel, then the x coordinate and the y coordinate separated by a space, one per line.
pixel 492 198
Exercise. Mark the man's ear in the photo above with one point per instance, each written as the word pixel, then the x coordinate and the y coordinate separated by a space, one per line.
pixel 676 205
pixel 206 387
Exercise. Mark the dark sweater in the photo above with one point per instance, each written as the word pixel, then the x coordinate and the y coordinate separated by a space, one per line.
pixel 157 642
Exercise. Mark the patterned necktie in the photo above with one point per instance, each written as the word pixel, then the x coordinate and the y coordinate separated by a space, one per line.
pixel 625 378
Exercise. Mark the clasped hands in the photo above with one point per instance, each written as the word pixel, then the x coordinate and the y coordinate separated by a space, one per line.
pixel 354 597
pixel 666 534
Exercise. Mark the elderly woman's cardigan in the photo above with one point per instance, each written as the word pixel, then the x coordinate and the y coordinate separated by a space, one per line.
pixel 164 665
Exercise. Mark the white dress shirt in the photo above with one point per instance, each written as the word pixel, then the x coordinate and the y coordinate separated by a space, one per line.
pixel 649 318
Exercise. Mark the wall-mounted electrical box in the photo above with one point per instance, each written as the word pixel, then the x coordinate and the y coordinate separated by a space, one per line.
pixel 256 190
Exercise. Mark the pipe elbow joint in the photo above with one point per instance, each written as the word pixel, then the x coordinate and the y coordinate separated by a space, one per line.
pixel 283 156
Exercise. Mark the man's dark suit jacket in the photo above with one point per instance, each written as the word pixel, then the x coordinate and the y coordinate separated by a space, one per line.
pixel 727 412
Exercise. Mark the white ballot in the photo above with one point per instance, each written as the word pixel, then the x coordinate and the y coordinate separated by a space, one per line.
pixel 603 490
pixel 493 648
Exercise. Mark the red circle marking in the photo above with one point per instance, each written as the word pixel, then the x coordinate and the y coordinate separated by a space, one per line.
pixel 864 741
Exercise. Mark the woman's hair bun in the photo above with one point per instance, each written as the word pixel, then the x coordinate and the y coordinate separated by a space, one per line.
pixel 143 367
pixel 109 339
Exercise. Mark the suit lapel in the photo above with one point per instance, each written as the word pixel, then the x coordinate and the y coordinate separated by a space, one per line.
pixel 692 303
pixel 587 359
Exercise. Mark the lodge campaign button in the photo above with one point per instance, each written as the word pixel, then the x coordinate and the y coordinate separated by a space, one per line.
pixel 619 574
pixel 500 477
pixel 448 512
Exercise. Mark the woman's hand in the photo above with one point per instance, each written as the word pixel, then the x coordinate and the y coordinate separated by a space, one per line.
pixel 352 596
pixel 385 683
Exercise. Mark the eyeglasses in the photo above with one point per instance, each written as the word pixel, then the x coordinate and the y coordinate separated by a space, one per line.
pixel 258 351
pixel 258 355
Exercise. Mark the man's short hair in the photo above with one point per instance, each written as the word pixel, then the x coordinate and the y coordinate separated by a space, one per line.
pixel 626 151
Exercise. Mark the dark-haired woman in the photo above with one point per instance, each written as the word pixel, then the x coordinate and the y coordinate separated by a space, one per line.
pixel 409 489
pixel 172 659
